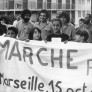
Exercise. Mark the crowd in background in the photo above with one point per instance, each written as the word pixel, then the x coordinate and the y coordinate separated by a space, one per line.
pixel 44 29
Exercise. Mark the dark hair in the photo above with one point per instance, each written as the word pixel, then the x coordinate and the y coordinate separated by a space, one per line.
pixel 14 30
pixel 82 20
pixel 31 33
pixel 44 11
pixel 24 12
pixel 56 19
pixel 89 15
pixel 5 19
pixel 64 14
pixel 83 33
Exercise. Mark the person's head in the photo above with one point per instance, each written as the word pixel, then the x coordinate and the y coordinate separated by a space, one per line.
pixel 12 32
pixel 25 15
pixel 4 19
pixel 18 17
pixel 81 22
pixel 64 17
pixel 87 18
pixel 43 15
pixel 36 34
pixel 81 36
pixel 56 24
pixel 58 13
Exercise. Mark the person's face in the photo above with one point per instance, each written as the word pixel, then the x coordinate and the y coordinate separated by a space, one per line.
pixel 36 35
pixel 57 15
pixel 63 19
pixel 11 34
pixel 26 18
pixel 56 26
pixel 78 38
pixel 43 17
pixel 87 19
pixel 80 23
pixel 18 17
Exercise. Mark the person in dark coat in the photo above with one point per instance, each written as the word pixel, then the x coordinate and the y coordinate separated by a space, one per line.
pixel 56 31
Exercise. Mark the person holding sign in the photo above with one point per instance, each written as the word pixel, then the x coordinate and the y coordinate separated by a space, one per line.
pixel 56 24
pixel 36 34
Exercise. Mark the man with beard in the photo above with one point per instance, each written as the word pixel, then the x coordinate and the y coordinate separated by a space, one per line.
pixel 24 26
pixel 88 26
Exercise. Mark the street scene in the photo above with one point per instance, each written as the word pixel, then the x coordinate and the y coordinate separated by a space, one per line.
pixel 45 45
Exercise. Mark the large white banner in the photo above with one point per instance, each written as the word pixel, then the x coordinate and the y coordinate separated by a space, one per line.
pixel 45 67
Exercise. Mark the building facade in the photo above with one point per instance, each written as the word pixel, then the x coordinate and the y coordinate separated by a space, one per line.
pixel 75 8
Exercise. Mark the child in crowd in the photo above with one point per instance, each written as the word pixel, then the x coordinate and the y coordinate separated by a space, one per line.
pixel 36 34
pixel 56 24
pixel 81 36
pixel 81 22
pixel 11 32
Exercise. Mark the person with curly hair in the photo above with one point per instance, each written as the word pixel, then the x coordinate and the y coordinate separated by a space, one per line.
pixel 24 26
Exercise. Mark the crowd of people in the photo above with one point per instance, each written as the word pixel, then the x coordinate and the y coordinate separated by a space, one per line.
pixel 45 29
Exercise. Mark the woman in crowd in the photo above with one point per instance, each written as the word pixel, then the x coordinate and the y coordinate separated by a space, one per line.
pixel 36 34
pixel 56 24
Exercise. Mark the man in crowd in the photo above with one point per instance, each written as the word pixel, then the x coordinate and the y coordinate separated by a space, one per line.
pixel 88 26
pixel 44 24
pixel 81 24
pixel 24 26
pixel 67 28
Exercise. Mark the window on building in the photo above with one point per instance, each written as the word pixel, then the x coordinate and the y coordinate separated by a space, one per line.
pixel 73 4
pixel 19 4
pixel 79 13
pixel 25 4
pixel 39 4
pixel 59 4
pixel 83 13
pixel 73 14
pixel 48 4
pixel 79 2
pixel 11 4
pixel 83 2
pixel 67 4
pixel 5 4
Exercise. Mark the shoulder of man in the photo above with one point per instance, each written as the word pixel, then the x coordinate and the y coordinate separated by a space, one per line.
pixel 18 23
pixel 71 26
